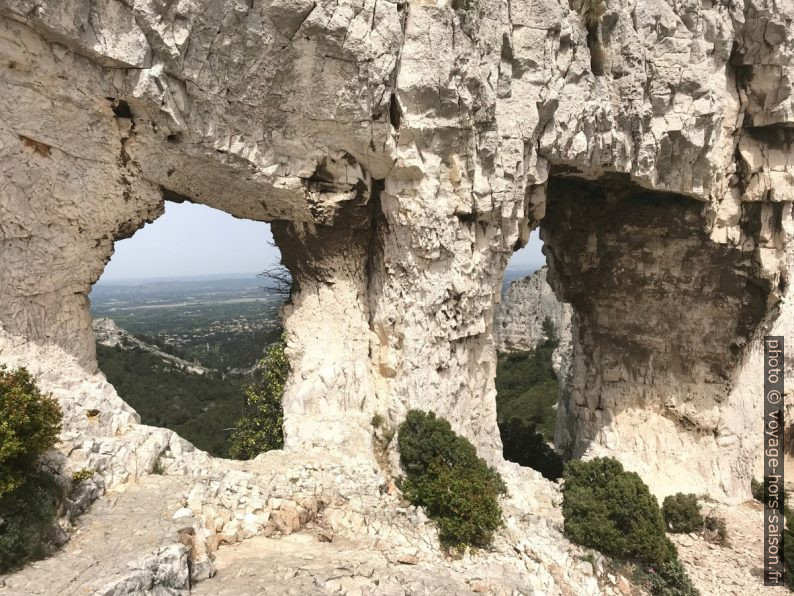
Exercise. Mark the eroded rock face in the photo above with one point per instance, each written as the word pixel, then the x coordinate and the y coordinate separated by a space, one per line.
pixel 404 150
pixel 519 317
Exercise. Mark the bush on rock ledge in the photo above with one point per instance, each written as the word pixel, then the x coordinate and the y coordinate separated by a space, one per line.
pixel 458 489
pixel 611 510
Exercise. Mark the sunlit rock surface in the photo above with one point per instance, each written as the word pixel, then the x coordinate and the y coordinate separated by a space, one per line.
pixel 403 151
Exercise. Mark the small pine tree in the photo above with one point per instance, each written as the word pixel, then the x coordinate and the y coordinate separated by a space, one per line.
pixel 260 427
pixel 550 331
pixel 612 510
pixel 609 509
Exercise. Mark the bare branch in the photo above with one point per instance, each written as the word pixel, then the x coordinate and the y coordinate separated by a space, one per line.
pixel 278 281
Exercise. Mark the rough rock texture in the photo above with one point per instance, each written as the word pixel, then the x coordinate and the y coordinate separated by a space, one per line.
pixel 403 150
pixel 678 353
pixel 734 568
pixel 163 536
pixel 518 320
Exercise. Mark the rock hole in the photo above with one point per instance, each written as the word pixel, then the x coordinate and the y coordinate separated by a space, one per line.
pixel 37 146
pixel 197 317
pixel 597 55
pixel 395 114
pixel 466 217
pixel 173 196
pixel 120 108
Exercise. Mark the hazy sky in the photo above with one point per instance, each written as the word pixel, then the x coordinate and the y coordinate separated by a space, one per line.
pixel 193 239
pixel 530 256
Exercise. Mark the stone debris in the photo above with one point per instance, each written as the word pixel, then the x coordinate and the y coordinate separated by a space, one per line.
pixel 735 569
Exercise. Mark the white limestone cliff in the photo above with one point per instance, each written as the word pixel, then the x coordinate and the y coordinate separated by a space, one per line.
pixel 402 152
pixel 519 317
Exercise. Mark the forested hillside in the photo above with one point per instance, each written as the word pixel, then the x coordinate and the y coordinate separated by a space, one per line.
pixel 201 408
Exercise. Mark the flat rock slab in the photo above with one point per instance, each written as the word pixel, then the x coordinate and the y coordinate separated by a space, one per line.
pixel 302 565
pixel 737 568
pixel 118 529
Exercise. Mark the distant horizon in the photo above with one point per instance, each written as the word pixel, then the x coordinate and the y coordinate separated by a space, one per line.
pixel 191 241
pixel 126 281
pixel 178 277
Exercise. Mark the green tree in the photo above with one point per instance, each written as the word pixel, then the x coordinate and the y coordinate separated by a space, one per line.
pixel 526 389
pixel 458 489
pixel 612 510
pixel 30 423
pixel 260 427
pixel 550 331
pixel 609 509
pixel 682 513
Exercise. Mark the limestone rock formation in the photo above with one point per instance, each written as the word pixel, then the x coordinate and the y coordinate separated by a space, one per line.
pixel 519 317
pixel 402 151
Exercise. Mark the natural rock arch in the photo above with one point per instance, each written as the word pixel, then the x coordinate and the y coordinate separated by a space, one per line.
pixel 402 151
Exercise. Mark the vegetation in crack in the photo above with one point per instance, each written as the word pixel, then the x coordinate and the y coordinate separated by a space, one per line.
pixel 443 474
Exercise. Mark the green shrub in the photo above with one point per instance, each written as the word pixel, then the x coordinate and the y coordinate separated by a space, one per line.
pixel 613 511
pixel 682 513
pixel 29 425
pixel 81 476
pixel 458 489
pixel 260 427
pixel 28 520
pixel 526 388
pixel 524 445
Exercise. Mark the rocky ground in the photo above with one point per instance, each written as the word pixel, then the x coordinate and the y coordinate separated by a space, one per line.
pixel 303 523
pixel 732 569
pixel 111 550
pixel 289 523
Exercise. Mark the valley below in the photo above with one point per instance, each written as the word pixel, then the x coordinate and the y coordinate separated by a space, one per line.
pixel 181 351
